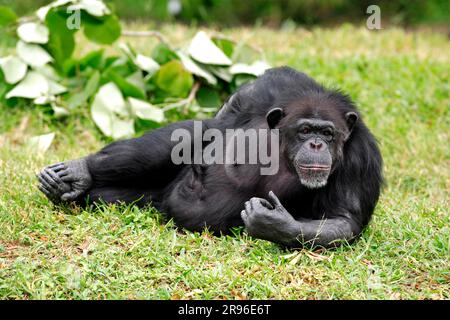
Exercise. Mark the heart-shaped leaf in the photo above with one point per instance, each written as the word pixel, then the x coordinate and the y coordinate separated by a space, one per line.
pixel 257 68
pixel 61 41
pixel 32 54
pixel 13 68
pixel 145 110
pixel 34 85
pixel 40 144
pixel 110 113
pixel 42 11
pixel 104 31
pixel 208 98
pixel 174 79
pixel 146 63
pixel 193 67
pixel 163 54
pixel 93 7
pixel 32 32
pixel 205 51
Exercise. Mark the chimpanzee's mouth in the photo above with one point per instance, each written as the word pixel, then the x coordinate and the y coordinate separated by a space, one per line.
pixel 313 175
pixel 314 167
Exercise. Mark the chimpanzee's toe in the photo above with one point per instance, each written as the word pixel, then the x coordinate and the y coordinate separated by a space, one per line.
pixel 51 183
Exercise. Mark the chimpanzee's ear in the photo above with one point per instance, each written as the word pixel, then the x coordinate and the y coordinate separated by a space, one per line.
pixel 351 118
pixel 274 116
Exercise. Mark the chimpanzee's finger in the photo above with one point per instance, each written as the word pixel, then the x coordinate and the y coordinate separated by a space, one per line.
pixel 274 199
pixel 57 166
pixel 248 207
pixel 256 203
pixel 244 216
pixel 65 175
pixel 51 177
pixel 45 191
pixel 45 184
pixel 266 204
pixel 72 195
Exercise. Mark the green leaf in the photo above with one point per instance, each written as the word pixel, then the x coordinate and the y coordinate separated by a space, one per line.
pixel 221 73
pixel 226 45
pixel 93 59
pixel 145 110
pixel 163 54
pixel 34 85
pixel 48 72
pixel 82 97
pixel 13 69
pixel 208 98
pixel 173 79
pixel 122 66
pixel 7 16
pixel 32 54
pixel 128 89
pixel 61 42
pixel 110 113
pixel 32 32
pixel 243 53
pixel 242 79
pixel 205 51
pixel 40 144
pixel 102 31
pixel 137 80
pixel 55 88
pixel 193 67
pixel 143 62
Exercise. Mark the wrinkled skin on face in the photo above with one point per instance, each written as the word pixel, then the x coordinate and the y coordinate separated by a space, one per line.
pixel 313 145
pixel 312 152
pixel 316 145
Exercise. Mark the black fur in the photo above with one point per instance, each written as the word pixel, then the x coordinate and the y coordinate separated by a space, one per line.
pixel 198 196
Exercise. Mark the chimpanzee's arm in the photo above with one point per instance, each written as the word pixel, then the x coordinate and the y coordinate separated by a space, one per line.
pixel 271 221
pixel 127 160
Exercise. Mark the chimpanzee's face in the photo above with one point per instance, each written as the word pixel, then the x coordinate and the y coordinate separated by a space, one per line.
pixel 312 148
pixel 312 144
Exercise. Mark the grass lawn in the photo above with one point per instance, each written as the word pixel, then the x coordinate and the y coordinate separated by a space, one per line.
pixel 400 82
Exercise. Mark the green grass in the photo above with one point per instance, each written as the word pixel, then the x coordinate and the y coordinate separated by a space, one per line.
pixel 400 82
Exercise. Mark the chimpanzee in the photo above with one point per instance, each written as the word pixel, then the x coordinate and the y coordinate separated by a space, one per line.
pixel 324 192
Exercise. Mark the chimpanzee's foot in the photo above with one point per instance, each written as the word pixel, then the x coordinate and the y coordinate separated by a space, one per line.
pixel 65 181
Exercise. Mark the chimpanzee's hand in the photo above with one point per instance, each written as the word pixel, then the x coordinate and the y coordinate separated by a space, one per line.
pixel 269 220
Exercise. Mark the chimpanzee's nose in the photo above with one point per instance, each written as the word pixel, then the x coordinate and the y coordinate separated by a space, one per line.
pixel 316 145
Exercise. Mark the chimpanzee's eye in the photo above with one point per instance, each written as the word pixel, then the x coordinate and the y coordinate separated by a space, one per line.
pixel 305 130
pixel 328 132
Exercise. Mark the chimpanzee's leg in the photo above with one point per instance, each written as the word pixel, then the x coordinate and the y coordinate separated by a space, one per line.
pixel 119 194
pixel 141 161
